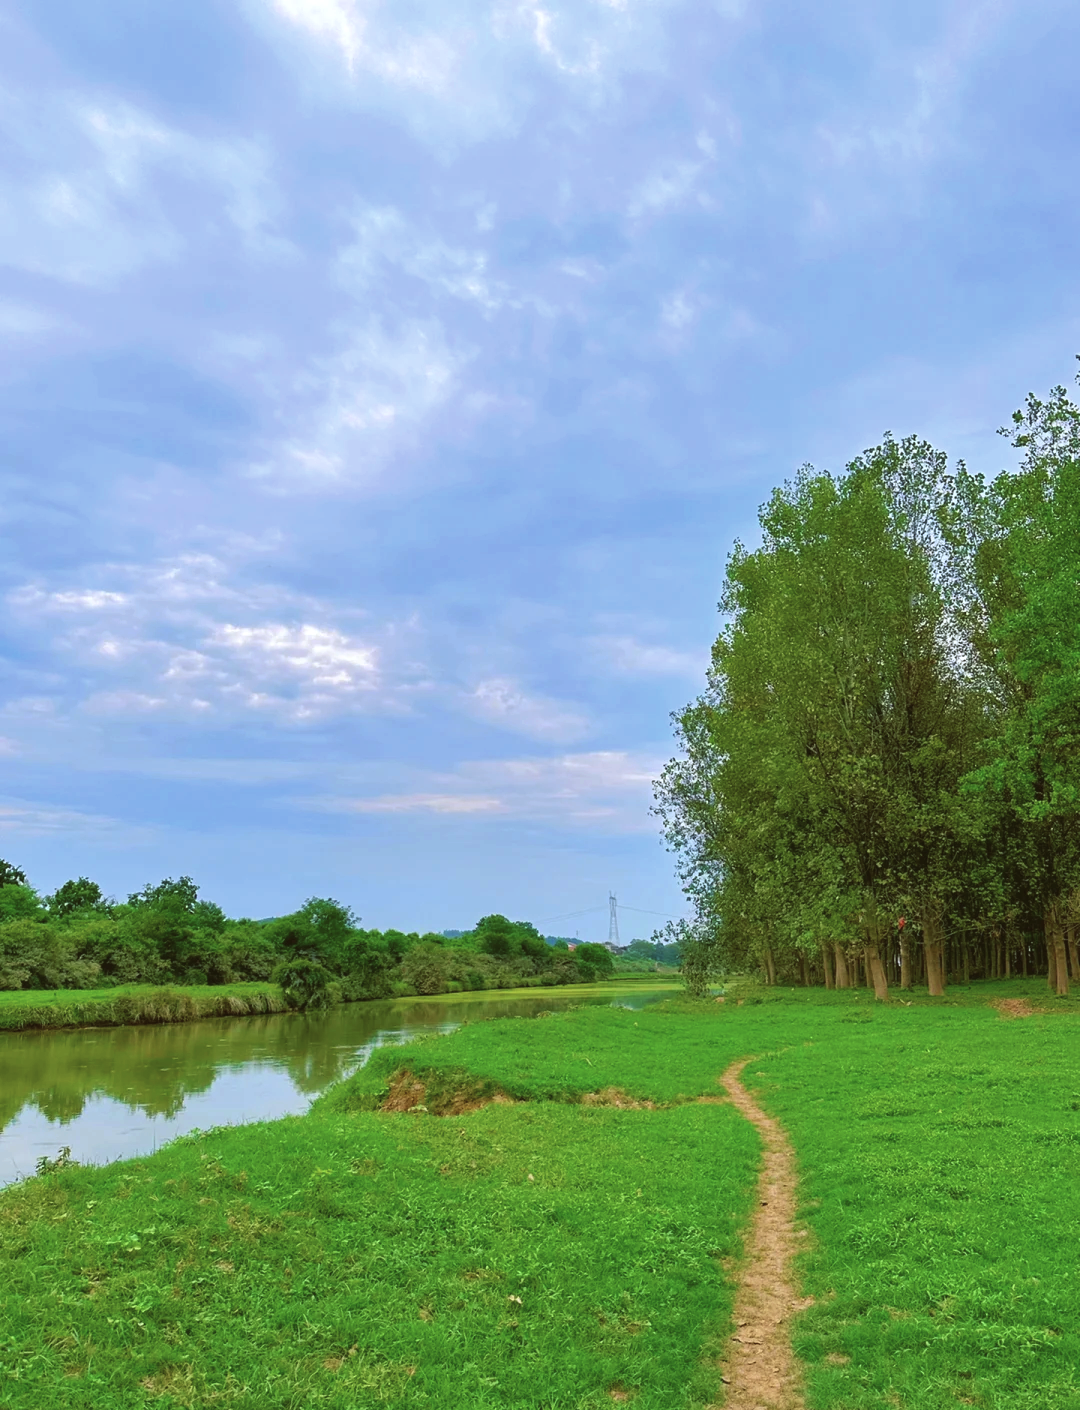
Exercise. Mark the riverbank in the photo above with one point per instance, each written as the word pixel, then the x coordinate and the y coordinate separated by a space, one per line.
pixel 23 1009
pixel 569 1232
pixel 133 1004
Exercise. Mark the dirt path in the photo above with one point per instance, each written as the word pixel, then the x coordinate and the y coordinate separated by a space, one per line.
pixel 761 1371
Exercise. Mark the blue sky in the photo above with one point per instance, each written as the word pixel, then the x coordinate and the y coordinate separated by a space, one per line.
pixel 383 385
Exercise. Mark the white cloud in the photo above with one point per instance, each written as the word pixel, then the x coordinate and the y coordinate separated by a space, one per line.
pixel 467 70
pixel 631 657
pixel 42 820
pixel 875 151
pixel 606 790
pixel 112 189
pixel 385 239
pixel 22 321
pixel 454 803
pixel 503 702
pixel 356 410
pixel 185 637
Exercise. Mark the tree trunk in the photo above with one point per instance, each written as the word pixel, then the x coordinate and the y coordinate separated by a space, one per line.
pixel 843 978
pixel 1074 953
pixel 803 971
pixel 827 966
pixel 905 961
pixel 1058 967
pixel 967 963
pixel 770 968
pixel 875 969
pixel 933 951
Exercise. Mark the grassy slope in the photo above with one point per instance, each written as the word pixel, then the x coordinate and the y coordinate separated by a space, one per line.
pixel 133 1003
pixel 940 1154
pixel 352 1261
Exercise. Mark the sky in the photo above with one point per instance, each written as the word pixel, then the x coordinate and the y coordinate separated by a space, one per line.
pixel 383 385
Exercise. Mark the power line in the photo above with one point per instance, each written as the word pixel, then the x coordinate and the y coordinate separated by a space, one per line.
pixel 590 910
pixel 566 915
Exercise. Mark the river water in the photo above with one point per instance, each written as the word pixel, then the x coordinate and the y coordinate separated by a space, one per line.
pixel 109 1093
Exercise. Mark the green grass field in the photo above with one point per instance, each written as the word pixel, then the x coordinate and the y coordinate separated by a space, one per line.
pixel 355 1257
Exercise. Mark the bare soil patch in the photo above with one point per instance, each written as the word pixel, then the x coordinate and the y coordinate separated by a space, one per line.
pixel 760 1368
pixel 615 1096
pixel 1013 1008
pixel 407 1093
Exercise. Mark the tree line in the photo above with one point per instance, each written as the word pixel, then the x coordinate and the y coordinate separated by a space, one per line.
pixel 880 783
pixel 166 933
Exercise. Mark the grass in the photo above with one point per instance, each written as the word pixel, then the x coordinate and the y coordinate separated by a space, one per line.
pixel 344 1262
pixel 357 1258
pixel 133 1003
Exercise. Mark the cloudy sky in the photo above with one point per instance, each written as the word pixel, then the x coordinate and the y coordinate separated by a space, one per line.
pixel 383 383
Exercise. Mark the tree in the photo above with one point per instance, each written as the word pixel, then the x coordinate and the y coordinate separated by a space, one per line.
pixel 305 984
pixel 511 940
pixel 702 955
pixel 179 895
pixel 594 961
pixel 79 895
pixel 1020 536
pixel 496 936
pixel 425 969
pixel 11 875
pixel 809 799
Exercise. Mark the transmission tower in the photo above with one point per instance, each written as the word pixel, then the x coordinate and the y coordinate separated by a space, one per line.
pixel 613 921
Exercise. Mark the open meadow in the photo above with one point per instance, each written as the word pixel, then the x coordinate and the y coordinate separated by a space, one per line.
pixel 543 1213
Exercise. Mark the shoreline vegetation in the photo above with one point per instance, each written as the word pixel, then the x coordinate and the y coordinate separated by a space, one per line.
pixel 166 955
pixel 34 1011
pixel 561 1207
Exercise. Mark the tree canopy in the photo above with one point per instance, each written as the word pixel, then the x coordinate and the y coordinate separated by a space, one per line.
pixel 888 744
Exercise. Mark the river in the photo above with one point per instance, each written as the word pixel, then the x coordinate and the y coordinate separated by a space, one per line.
pixel 109 1093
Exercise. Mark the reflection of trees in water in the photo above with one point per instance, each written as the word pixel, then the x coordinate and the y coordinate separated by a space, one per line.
pixel 156 1068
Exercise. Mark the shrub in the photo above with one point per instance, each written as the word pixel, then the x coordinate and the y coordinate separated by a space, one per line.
pixel 425 969
pixel 304 984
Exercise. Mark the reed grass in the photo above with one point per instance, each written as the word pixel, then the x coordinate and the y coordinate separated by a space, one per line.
pixel 134 1004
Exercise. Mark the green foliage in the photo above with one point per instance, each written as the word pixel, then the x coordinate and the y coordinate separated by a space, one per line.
pixel 594 962
pixel 18 902
pixel 304 983
pixel 134 1004
pixel 891 722
pixel 167 934
pixel 80 895
pixel 61 1161
pixel 426 969
pixel 11 875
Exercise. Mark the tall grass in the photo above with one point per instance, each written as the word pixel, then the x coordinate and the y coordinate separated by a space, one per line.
pixel 20 1009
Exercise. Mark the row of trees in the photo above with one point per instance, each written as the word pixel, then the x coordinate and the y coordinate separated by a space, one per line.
pixel 77 939
pixel 881 781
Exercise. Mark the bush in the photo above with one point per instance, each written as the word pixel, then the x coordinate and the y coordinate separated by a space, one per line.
pixel 594 961
pixel 304 984
pixel 425 968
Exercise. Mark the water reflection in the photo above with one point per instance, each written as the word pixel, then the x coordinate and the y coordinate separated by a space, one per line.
pixel 114 1092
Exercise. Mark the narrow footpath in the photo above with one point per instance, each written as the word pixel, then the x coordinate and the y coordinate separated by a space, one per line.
pixel 760 1370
